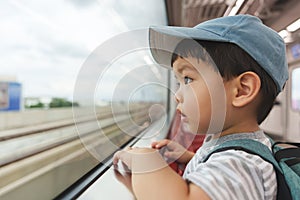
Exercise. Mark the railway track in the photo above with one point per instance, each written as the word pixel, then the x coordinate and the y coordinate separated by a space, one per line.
pixel 29 153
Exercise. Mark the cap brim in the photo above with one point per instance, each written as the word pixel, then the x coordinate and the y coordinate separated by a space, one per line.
pixel 163 41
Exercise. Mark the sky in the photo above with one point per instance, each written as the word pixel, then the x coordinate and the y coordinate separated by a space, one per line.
pixel 45 43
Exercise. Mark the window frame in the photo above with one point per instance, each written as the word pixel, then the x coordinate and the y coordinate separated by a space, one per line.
pixel 291 88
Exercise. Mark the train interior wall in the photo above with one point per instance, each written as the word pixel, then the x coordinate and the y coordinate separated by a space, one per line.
pixel 283 122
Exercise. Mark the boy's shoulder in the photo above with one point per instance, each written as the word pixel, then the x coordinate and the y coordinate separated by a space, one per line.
pixel 233 168
pixel 210 144
pixel 258 136
pixel 284 159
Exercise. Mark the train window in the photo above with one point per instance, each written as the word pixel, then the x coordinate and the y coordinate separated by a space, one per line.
pixel 46 144
pixel 296 89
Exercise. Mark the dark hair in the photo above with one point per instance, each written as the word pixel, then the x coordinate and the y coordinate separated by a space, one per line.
pixel 231 61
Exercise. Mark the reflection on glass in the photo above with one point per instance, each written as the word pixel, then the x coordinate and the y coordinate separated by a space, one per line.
pixel 44 45
pixel 296 89
pixel 133 89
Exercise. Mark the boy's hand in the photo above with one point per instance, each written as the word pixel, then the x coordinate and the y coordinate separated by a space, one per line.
pixel 139 160
pixel 173 151
pixel 125 157
pixel 125 179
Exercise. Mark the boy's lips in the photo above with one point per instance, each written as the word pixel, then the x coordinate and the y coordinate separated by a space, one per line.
pixel 183 117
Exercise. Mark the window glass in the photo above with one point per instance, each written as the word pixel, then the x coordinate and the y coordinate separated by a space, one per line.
pixel 44 47
pixel 296 89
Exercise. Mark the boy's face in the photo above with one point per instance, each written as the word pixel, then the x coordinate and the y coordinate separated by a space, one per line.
pixel 199 87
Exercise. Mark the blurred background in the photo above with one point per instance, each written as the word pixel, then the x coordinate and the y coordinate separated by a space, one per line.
pixel 50 135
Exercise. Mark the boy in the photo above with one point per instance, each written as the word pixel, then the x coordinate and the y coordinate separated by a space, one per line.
pixel 250 59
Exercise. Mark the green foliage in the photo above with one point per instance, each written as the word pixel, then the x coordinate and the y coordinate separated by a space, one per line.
pixel 60 102
pixel 38 105
pixel 55 103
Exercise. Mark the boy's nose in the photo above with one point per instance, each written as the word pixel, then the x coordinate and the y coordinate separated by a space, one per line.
pixel 178 97
pixel 179 108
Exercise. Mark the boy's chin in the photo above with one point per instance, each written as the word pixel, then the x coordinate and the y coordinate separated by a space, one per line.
pixel 205 131
pixel 192 129
pixel 187 127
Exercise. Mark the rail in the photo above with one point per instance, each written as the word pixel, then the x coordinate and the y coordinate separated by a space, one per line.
pixel 29 153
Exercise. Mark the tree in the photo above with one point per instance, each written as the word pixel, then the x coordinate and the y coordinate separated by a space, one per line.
pixel 61 102
pixel 37 105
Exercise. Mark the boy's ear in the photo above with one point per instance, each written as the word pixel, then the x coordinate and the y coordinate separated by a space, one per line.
pixel 247 86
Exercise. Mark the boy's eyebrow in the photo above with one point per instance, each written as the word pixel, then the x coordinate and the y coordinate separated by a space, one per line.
pixel 184 66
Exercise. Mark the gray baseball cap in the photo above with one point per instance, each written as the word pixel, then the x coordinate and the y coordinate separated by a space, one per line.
pixel 248 32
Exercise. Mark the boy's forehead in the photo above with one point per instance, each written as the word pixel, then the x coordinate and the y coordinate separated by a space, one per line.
pixel 190 63
pixel 182 64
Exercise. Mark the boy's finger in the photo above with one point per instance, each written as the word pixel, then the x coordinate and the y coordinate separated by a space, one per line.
pixel 173 145
pixel 161 143
pixel 158 144
pixel 172 155
pixel 116 157
pixel 153 144
pixel 126 168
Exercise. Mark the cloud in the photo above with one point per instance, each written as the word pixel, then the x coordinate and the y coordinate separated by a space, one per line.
pixel 45 43
pixel 82 4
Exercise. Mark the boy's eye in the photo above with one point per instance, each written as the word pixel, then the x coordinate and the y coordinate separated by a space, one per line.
pixel 187 80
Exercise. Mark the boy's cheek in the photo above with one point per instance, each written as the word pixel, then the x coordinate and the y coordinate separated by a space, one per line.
pixel 198 112
pixel 192 112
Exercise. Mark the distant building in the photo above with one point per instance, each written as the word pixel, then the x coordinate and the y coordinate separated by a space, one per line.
pixel 10 94
pixel 37 102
